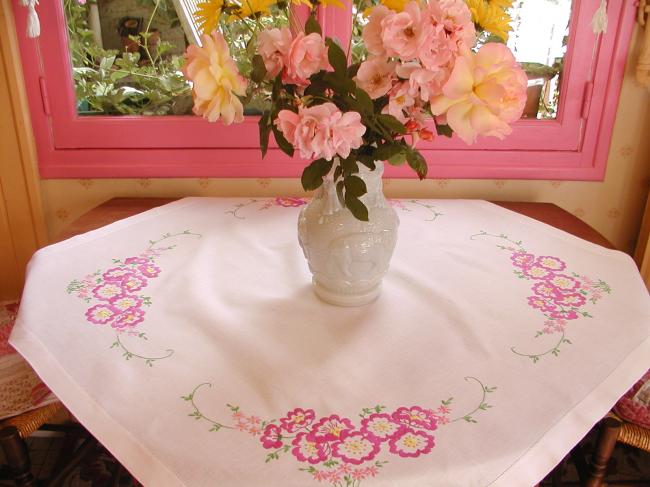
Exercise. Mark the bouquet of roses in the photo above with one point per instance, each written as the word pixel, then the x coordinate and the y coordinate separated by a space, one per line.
pixel 422 77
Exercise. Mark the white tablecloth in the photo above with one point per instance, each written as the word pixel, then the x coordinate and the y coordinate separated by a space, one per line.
pixel 188 340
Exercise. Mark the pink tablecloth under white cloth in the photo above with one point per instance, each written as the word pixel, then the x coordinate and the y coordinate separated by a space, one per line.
pixel 188 340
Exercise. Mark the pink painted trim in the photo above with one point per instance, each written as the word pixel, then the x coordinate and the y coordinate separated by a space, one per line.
pixel 72 146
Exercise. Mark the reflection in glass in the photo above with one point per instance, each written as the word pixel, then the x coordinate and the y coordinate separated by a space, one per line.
pixel 127 54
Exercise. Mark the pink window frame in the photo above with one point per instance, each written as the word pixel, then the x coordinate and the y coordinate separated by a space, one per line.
pixel 574 146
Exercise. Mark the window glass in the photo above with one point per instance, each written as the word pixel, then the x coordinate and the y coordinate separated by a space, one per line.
pixel 127 54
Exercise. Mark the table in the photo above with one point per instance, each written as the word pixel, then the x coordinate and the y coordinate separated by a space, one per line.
pixel 299 369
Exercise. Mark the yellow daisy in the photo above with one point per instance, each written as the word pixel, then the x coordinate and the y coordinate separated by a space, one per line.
pixel 502 4
pixel 396 5
pixel 207 15
pixel 336 3
pixel 249 8
pixel 491 18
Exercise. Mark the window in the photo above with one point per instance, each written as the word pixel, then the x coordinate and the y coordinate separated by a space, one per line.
pixel 569 141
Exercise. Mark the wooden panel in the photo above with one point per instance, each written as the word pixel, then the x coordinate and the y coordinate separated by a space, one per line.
pixel 22 224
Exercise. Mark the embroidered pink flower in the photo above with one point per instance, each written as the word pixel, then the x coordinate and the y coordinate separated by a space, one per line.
pixel 128 319
pixel 565 315
pixel 522 259
pixel 486 92
pixel 411 444
pixel 546 290
pixel 136 261
pixel 273 45
pixel 149 270
pixel 574 300
pixel 100 314
pixel 307 55
pixel 359 473
pixel 297 419
pixel 551 263
pixel 404 33
pixel 541 303
pixel 356 448
pixel 380 426
pixel 133 283
pixel 375 76
pixel 308 450
pixel 537 272
pixel 116 274
pixel 331 428
pixel 124 303
pixel 371 471
pixel 415 416
pixel 564 283
pixel 272 437
pixel 320 475
pixel 289 202
pixel 104 292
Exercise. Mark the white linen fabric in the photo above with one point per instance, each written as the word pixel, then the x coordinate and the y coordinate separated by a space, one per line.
pixel 188 340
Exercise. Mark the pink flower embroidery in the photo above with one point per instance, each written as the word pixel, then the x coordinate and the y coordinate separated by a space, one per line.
pixel 133 283
pixel 125 302
pixel 522 259
pixel 564 283
pixel 331 428
pixel 380 426
pixel 136 261
pixel 289 202
pixel 411 444
pixel 105 292
pixel 550 263
pixel 541 303
pixel 564 315
pixel 149 270
pixel 537 272
pixel 415 416
pixel 116 274
pixel 297 419
pixel 546 290
pixel 356 448
pixel 575 300
pixel 308 450
pixel 271 437
pixel 100 314
pixel 128 319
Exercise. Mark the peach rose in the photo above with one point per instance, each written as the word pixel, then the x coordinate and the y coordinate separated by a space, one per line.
pixel 347 132
pixel 307 55
pixel 273 45
pixel 423 83
pixel 216 81
pixel 485 93
pixel 375 76
pixel 372 31
pixel 400 102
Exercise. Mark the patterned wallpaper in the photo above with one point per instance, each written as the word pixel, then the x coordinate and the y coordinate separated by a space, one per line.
pixel 614 206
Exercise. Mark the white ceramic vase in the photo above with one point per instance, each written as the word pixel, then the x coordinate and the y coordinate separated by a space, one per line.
pixel 348 258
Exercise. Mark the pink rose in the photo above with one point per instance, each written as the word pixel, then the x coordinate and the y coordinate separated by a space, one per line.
pixel 403 33
pixel 372 31
pixel 273 46
pixel 400 102
pixel 347 131
pixel 375 76
pixel 423 83
pixel 307 55
pixel 485 93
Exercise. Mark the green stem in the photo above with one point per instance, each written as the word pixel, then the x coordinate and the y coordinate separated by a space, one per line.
pixel 203 416
pixel 435 213
pixel 479 404
pixel 146 39
pixel 149 360
pixel 555 349
pixel 502 237
pixel 170 235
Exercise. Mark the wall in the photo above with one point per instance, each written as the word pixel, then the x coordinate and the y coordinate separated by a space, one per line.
pixel 614 206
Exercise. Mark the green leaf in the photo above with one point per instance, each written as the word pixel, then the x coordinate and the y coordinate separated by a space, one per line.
pixel 397 159
pixel 258 73
pixel 312 176
pixel 391 123
pixel 354 186
pixel 283 143
pixel 353 69
pixel 337 58
pixel 337 172
pixel 265 130
pixel 444 130
pixel 365 102
pixel 107 62
pixel 417 163
pixel 356 207
pixel 387 150
pixel 312 25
